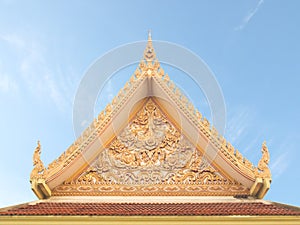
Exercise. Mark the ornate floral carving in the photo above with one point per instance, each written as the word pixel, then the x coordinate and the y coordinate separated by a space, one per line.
pixel 151 155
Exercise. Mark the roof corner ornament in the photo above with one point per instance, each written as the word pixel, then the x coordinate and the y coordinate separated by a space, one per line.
pixel 263 170
pixel 39 168
pixel 37 176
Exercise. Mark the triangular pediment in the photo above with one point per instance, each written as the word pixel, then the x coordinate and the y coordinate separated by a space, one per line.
pixel 150 140
pixel 150 156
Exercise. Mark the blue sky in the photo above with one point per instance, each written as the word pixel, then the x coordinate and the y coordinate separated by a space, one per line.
pixel 251 46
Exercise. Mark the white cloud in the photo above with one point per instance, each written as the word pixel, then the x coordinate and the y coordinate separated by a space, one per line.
pixel 281 156
pixel 13 40
pixel 237 123
pixel 105 96
pixel 109 90
pixel 249 16
pixel 7 84
pixel 252 145
pixel 38 76
pixel 279 165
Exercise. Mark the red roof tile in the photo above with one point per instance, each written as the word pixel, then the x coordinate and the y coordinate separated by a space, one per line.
pixel 153 209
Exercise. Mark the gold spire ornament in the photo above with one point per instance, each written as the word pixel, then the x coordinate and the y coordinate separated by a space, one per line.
pixel 263 170
pixel 149 54
pixel 38 169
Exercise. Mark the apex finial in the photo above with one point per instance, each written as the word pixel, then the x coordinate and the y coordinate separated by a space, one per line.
pixel 149 35
pixel 149 54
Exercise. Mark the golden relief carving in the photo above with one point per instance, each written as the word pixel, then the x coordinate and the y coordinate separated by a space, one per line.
pixel 38 166
pixel 151 154
pixel 151 150
pixel 233 155
pixel 121 155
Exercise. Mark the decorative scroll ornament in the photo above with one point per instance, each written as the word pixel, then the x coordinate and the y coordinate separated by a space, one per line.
pixel 263 170
pixel 39 169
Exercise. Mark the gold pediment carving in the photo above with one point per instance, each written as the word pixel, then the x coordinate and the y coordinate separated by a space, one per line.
pixel 142 167
pixel 151 156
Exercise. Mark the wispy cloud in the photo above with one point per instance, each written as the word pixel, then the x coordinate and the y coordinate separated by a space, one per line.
pixel 279 165
pixel 106 95
pixel 237 123
pixel 7 84
pixel 13 40
pixel 239 131
pixel 109 90
pixel 250 15
pixel 281 156
pixel 38 76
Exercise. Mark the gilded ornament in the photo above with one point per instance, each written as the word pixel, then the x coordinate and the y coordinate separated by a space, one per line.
pixel 177 92
pixel 150 154
pixel 191 108
pixel 263 170
pixel 172 85
pixel 108 109
pixel 132 80
pixel 184 100
pixel 115 101
pixel 238 156
pixel 205 123
pixel 199 115
pixel 161 72
pixel 137 72
pixel 156 65
pixel 38 166
pixel 166 78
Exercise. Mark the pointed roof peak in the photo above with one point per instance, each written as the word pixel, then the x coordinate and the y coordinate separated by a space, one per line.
pixel 149 36
pixel 149 54
pixel 150 80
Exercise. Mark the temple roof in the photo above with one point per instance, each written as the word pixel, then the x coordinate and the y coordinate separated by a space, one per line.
pixel 150 140
pixel 151 209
